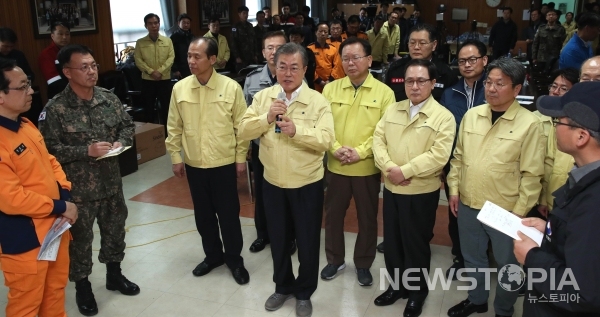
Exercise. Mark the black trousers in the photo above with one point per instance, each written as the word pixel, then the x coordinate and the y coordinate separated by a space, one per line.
pixel 214 194
pixel 408 222
pixel 302 209
pixel 156 89
pixel 260 219
pixel 452 222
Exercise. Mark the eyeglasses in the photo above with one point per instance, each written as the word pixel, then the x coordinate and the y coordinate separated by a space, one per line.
pixel 22 88
pixel 86 68
pixel 470 60
pixel 561 89
pixel 354 59
pixel 293 70
pixel 418 43
pixel 497 86
pixel 556 121
pixel 420 82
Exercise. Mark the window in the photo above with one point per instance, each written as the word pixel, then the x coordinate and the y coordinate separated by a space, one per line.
pixel 253 7
pixel 128 20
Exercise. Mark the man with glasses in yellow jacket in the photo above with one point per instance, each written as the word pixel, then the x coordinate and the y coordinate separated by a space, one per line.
pixel 411 144
pixel 358 101
pixel 499 158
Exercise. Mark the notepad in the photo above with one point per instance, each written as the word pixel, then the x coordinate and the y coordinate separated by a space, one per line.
pixel 114 152
pixel 51 243
pixel 507 222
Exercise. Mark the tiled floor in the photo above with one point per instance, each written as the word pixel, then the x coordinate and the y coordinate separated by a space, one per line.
pixel 163 247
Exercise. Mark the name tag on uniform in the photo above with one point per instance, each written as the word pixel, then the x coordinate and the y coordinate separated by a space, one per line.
pixel 438 85
pixel 397 80
pixel 20 149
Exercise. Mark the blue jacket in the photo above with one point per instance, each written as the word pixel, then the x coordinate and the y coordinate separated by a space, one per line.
pixel 455 99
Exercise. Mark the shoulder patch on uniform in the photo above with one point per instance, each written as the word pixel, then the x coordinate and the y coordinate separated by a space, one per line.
pixel 42 116
pixel 233 29
pixel 258 70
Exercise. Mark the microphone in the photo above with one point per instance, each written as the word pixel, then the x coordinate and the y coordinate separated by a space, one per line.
pixel 280 96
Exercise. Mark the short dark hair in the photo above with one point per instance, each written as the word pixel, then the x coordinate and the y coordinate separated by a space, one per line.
pixel 5 66
pixel 59 23
pixel 533 10
pixel 553 10
pixel 397 9
pixel 183 16
pixel 285 4
pixel 299 13
pixel 507 8
pixel 306 9
pixel 322 23
pixel 334 9
pixel 571 13
pixel 378 18
pixel 291 49
pixel 551 5
pixel 584 19
pixel 425 27
pixel 212 48
pixel 431 69
pixel 354 40
pixel 570 74
pixel 150 16
pixel 8 35
pixel 511 68
pixel 385 4
pixel 213 19
pixel 65 54
pixel 243 9
pixel 272 34
pixel 481 48
pixel 334 21
pixel 259 12
pixel 353 19
pixel 296 31
pixel 266 8
pixel 362 8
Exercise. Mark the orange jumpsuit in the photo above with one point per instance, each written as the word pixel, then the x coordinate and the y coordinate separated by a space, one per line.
pixel 360 35
pixel 329 64
pixel 33 191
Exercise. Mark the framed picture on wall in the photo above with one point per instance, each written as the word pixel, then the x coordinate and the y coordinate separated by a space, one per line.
pixel 218 8
pixel 80 15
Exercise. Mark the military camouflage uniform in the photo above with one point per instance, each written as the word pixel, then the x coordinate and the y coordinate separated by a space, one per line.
pixel 69 125
pixel 243 43
pixel 547 43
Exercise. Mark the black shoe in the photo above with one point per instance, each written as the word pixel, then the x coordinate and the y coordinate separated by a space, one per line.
pixel 293 247
pixel 240 275
pixel 84 297
pixel 380 247
pixel 456 265
pixel 259 245
pixel 389 297
pixel 466 308
pixel 205 268
pixel 413 309
pixel 115 281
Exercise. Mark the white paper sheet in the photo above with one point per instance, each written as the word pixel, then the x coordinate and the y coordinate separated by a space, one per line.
pixel 49 249
pixel 507 222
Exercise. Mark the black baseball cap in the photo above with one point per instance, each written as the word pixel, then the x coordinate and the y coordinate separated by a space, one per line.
pixel 580 104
